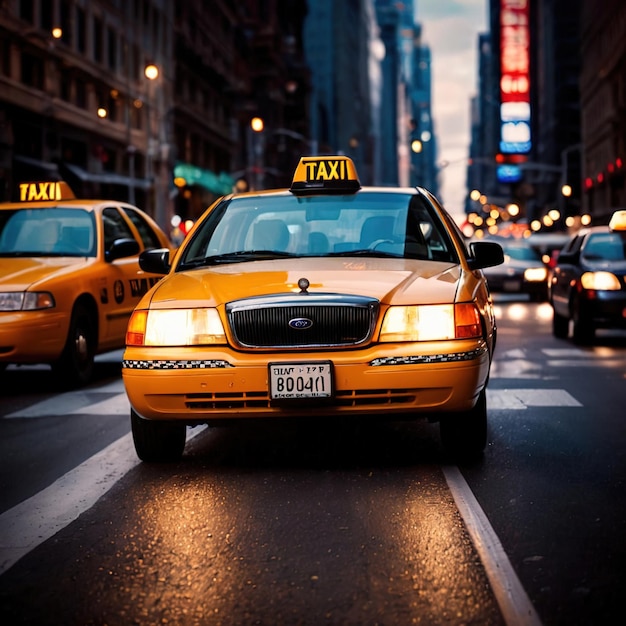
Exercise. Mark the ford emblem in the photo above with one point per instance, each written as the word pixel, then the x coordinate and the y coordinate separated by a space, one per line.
pixel 300 323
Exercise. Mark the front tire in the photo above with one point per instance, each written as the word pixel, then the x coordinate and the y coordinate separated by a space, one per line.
pixel 560 326
pixel 464 435
pixel 75 366
pixel 583 331
pixel 156 441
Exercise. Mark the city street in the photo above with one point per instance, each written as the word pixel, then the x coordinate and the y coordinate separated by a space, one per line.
pixel 323 523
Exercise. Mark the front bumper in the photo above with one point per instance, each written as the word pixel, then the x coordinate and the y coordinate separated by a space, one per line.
pixel 387 379
pixel 32 336
pixel 606 309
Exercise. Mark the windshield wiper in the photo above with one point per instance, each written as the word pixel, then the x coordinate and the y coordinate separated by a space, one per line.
pixel 237 257
pixel 366 252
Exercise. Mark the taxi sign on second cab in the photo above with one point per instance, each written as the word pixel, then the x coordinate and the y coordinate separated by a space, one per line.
pixel 335 174
pixel 45 192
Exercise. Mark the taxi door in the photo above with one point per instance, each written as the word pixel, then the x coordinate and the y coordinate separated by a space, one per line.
pixel 125 282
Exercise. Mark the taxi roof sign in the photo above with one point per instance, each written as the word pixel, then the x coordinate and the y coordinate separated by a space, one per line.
pixel 325 174
pixel 618 221
pixel 45 191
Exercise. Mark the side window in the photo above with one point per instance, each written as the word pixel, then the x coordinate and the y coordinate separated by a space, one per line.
pixel 114 227
pixel 148 236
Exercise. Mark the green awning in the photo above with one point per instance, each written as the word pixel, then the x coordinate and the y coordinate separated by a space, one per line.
pixel 220 184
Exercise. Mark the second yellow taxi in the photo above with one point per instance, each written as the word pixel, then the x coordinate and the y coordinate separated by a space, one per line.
pixel 324 300
pixel 69 277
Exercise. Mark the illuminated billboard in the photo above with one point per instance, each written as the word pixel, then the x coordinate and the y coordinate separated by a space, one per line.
pixel 515 77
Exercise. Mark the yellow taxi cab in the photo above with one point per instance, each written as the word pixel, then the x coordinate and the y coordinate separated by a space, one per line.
pixel 323 300
pixel 69 277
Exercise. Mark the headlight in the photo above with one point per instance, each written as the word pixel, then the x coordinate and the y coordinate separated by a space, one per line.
pixel 175 327
pixel 431 322
pixel 535 274
pixel 600 281
pixel 26 301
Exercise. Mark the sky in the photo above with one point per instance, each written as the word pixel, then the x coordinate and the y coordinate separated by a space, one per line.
pixel 451 28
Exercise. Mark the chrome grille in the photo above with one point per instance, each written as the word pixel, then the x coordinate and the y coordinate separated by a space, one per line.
pixel 333 320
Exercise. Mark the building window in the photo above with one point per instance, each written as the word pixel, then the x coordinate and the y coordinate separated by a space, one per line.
pixel 66 22
pixel 98 40
pixel 81 35
pixel 32 71
pixel 111 49
pixel 27 11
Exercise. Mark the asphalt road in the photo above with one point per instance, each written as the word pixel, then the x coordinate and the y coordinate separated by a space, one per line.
pixel 319 523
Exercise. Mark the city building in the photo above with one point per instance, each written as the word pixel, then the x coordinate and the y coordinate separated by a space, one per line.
pixel 151 101
pixel 603 107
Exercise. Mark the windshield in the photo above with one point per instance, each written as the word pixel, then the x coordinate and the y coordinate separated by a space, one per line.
pixel 364 224
pixel 521 253
pixel 54 231
pixel 606 247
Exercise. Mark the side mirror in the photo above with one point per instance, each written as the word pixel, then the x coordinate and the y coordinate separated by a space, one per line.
pixel 155 261
pixel 485 254
pixel 122 248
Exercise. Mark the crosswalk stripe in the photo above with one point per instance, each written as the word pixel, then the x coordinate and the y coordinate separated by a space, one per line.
pixel 520 399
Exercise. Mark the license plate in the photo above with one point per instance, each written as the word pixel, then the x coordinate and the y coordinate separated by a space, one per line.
pixel 294 381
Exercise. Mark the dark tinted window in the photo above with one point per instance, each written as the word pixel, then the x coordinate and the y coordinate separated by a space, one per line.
pixel 148 236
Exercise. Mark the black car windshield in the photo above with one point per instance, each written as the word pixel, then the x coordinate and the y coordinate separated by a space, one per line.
pixel 521 253
pixel 377 224
pixel 50 231
pixel 605 247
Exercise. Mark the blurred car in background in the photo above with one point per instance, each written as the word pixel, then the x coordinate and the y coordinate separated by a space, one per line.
pixel 69 277
pixel 523 271
pixel 588 287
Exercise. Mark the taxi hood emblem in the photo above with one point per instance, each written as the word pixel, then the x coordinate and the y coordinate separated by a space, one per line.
pixel 300 323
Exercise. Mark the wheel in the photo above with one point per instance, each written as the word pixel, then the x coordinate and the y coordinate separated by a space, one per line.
pixel 560 326
pixel 75 366
pixel 156 441
pixel 583 330
pixel 464 435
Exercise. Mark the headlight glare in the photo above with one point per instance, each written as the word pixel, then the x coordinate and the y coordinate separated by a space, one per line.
pixel 535 274
pixel 600 281
pixel 181 327
pixel 418 323
pixel 436 322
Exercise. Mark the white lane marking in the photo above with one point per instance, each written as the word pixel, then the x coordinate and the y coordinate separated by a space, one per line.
pixel 523 398
pixel 35 520
pixel 117 405
pixel 514 603
pixel 75 402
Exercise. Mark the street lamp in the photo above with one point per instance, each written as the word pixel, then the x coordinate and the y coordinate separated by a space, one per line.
pixel 158 148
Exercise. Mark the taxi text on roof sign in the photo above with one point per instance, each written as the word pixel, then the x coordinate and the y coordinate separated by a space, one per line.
pixel 45 191
pixel 336 174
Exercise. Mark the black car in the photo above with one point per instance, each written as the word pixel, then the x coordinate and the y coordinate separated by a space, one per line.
pixel 588 286
pixel 522 272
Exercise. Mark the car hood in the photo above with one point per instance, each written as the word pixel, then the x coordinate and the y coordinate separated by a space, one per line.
pixel 21 273
pixel 400 281
pixel 617 267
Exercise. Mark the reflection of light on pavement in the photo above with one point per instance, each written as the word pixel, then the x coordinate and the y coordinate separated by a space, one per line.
pixel 517 311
